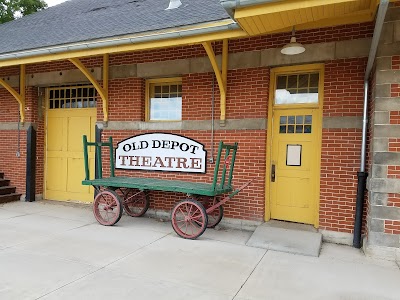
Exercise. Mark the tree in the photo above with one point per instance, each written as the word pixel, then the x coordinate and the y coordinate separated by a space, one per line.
pixel 12 9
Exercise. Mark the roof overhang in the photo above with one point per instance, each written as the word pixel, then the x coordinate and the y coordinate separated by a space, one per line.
pixel 258 17
pixel 196 34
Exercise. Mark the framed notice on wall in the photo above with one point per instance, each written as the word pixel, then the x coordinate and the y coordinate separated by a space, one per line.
pixel 293 155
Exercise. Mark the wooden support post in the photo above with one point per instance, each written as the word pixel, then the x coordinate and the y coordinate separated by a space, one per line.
pixel 103 91
pixel 105 84
pixel 20 97
pixel 221 75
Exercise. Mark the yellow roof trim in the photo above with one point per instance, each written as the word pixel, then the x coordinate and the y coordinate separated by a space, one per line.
pixel 359 17
pixel 281 16
pixel 152 44
pixel 277 7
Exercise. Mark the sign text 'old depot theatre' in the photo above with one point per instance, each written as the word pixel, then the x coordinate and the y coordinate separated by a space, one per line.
pixel 161 152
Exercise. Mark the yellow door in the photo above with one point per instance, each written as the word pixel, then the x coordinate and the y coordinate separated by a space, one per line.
pixel 294 166
pixel 67 121
pixel 294 135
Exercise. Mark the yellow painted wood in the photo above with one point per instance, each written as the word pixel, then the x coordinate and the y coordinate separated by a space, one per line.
pixel 244 24
pixel 281 202
pixel 305 14
pixel 22 82
pixel 259 24
pixel 106 63
pixel 354 18
pixel 293 194
pixel 225 62
pixel 64 167
pixel 20 97
pixel 280 6
pixel 189 40
pixel 103 92
pixel 220 75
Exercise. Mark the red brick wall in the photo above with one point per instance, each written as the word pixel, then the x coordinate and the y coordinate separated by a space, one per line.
pixel 392 227
pixel 396 62
pixel 344 87
pixel 340 157
pixel 393 200
pixel 9 71
pixel 340 153
pixel 247 98
pixel 339 166
pixel 10 164
pixel 393 172
pixel 15 167
pixel 126 100
pixel 395 117
pixel 9 107
pixel 197 96
pixel 394 145
pixel 250 164
pixel 395 90
pixel 248 93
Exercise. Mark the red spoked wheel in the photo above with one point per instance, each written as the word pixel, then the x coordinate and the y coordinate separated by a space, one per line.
pixel 136 202
pixel 215 216
pixel 189 219
pixel 107 208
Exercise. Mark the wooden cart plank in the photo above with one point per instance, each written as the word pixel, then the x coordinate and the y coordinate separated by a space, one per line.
pixel 194 188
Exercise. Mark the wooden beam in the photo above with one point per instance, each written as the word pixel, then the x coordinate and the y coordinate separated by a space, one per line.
pixel 102 91
pixel 20 97
pixel 220 75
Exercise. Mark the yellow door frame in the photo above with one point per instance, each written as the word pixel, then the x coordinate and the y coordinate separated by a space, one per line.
pixel 273 74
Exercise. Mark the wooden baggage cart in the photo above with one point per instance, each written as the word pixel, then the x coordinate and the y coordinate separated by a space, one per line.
pixel 203 207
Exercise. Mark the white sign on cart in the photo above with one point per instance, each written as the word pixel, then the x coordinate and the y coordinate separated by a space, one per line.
pixel 161 152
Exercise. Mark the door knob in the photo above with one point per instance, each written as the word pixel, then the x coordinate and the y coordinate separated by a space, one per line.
pixel 273 173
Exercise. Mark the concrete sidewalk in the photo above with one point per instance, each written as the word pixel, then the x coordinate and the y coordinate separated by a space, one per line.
pixel 58 251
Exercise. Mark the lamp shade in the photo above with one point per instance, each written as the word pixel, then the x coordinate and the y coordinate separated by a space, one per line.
pixel 293 47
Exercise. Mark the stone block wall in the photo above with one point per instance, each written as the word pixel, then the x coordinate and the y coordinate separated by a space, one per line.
pixel 384 173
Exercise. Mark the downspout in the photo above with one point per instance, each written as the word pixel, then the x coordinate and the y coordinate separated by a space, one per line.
pixel 362 175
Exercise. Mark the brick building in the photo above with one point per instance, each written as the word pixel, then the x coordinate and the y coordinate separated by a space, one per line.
pixel 98 67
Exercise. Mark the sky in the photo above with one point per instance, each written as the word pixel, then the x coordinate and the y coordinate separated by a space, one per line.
pixel 54 2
